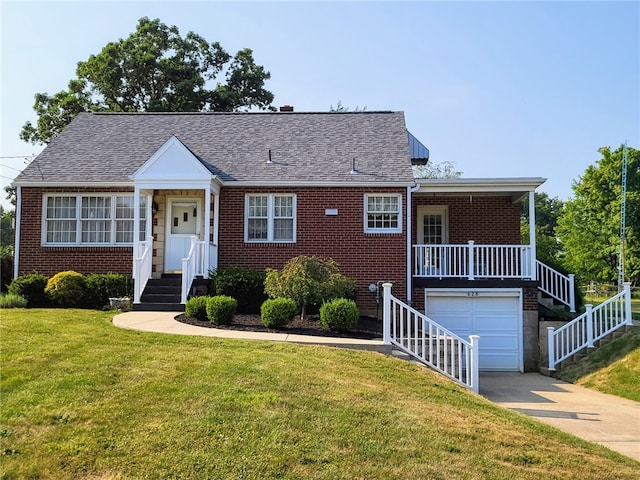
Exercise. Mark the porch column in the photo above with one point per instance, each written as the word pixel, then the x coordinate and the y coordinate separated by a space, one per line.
pixel 207 229
pixel 532 234
pixel 216 226
pixel 136 223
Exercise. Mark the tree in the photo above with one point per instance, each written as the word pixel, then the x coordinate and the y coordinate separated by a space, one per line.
pixel 589 227
pixel 155 69
pixel 548 246
pixel 339 108
pixel 444 169
pixel 7 233
pixel 308 281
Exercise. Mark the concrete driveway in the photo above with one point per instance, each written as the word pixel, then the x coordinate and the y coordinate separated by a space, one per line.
pixel 597 417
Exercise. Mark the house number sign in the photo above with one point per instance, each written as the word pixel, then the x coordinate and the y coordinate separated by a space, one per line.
pixel 473 294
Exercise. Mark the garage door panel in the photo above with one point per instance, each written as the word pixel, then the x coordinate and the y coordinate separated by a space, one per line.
pixel 496 319
pixel 500 323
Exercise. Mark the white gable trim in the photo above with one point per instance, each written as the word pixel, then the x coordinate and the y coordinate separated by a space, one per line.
pixel 172 163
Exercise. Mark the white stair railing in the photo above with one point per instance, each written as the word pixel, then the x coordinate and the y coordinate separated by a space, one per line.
pixel 417 335
pixel 589 327
pixel 192 266
pixel 142 267
pixel 556 285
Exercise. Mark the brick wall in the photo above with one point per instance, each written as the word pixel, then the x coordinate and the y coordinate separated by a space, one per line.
pixel 366 257
pixel 488 220
pixel 51 260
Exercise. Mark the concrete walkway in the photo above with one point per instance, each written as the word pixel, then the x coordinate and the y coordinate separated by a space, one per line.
pixel 605 419
pixel 597 417
pixel 164 322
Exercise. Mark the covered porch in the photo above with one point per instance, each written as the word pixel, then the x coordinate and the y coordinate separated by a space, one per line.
pixel 182 199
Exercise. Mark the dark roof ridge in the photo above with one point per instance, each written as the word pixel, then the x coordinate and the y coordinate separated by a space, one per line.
pixel 243 113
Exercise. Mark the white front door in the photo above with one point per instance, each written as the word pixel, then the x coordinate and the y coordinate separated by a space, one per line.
pixel 183 222
pixel 433 229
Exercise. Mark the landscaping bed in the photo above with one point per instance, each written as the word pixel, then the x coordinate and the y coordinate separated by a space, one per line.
pixel 368 328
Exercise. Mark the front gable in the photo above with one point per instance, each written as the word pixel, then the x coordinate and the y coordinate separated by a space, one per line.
pixel 173 162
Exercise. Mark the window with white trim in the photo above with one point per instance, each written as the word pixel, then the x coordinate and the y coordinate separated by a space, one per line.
pixel 270 218
pixel 91 219
pixel 382 213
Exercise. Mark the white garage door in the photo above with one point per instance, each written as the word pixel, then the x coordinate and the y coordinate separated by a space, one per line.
pixel 494 316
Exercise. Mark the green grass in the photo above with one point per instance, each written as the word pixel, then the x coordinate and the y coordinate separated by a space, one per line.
pixel 613 368
pixel 635 304
pixel 83 399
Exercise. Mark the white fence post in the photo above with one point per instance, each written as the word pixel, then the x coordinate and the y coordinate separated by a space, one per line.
pixel 551 347
pixel 627 304
pixel 475 362
pixel 589 320
pixel 572 293
pixel 386 313
pixel 471 261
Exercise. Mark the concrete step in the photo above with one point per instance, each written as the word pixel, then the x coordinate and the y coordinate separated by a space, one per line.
pixel 158 307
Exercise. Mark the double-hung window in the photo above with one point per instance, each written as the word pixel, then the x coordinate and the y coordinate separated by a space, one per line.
pixel 382 213
pixel 91 219
pixel 270 218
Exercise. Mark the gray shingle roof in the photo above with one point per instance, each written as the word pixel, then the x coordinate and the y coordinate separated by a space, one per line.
pixel 306 147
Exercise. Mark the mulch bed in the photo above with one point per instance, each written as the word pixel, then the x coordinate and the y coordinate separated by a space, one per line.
pixel 368 328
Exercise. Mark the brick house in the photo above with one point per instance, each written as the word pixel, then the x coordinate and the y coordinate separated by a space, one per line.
pixel 158 193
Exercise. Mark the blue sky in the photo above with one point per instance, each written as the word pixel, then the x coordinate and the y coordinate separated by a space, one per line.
pixel 501 89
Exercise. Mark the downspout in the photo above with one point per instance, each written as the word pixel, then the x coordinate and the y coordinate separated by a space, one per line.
pixel 410 191
pixel 16 248
pixel 532 234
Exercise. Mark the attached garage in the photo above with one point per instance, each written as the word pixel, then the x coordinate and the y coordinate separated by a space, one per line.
pixel 493 314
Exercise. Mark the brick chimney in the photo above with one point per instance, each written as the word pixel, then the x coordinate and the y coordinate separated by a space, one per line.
pixel 286 108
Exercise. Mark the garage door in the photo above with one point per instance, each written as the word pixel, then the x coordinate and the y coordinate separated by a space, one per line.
pixel 494 316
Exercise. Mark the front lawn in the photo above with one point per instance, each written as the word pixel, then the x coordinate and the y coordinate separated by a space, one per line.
pixel 81 398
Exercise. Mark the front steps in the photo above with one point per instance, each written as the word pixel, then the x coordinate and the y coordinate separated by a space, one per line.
pixel 161 295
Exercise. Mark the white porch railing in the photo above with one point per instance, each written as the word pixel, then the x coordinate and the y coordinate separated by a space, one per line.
pixel 142 267
pixel 557 285
pixel 589 327
pixel 471 261
pixel 422 338
pixel 192 266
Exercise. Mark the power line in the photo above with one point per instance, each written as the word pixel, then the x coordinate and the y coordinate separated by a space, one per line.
pixel 20 156
pixel 8 178
pixel 12 168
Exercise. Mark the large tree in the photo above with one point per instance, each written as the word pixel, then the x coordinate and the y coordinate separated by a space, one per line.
pixel 155 69
pixel 589 227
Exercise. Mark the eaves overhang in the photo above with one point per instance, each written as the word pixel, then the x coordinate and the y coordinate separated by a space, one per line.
pixel 515 187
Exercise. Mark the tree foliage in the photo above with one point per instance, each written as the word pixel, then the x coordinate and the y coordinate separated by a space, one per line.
pixel 589 228
pixel 308 281
pixel 155 69
pixel 548 246
pixel 444 169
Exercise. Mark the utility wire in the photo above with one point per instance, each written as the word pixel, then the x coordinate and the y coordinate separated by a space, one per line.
pixel 12 168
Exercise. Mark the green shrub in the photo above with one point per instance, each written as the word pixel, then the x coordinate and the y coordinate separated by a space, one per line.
pixel 31 286
pixel 196 307
pixel 221 309
pixel 309 281
pixel 244 284
pixel 277 312
pixel 340 314
pixel 12 301
pixel 67 289
pixel 103 286
pixel 6 267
